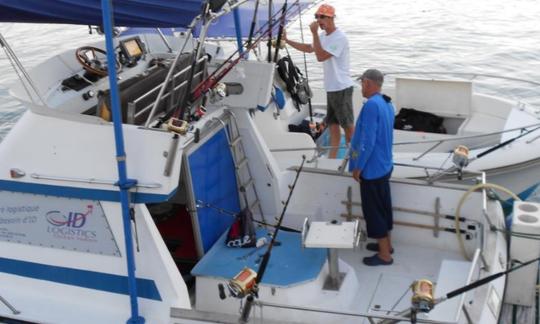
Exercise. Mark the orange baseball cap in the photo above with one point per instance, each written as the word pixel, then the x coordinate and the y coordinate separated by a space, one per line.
pixel 326 10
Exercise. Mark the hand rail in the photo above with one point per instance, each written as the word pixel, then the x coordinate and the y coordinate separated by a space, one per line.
pixel 473 74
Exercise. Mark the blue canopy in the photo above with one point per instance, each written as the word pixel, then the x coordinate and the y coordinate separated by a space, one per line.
pixel 136 13
pixel 224 26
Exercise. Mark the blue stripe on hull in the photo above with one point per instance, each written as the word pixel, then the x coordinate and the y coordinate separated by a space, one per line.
pixel 107 282
pixel 82 193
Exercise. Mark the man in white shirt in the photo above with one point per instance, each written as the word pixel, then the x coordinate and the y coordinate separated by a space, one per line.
pixel 332 48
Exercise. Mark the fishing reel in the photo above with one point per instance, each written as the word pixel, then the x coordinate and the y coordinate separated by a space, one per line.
pixel 460 159
pixel 242 285
pixel 422 300
pixel 218 92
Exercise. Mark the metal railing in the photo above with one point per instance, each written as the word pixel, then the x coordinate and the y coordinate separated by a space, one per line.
pixel 132 110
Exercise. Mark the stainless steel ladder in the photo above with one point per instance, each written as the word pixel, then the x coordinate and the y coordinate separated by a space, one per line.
pixel 244 176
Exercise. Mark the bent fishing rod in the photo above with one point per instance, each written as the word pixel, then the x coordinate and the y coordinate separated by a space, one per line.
pixel 266 257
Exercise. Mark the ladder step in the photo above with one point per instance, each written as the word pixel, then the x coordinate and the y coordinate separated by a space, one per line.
pixel 254 204
pixel 242 163
pixel 235 141
pixel 247 184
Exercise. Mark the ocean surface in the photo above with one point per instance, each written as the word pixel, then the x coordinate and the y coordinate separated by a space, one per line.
pixel 493 37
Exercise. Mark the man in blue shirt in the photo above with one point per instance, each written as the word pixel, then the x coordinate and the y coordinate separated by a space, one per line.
pixel 371 165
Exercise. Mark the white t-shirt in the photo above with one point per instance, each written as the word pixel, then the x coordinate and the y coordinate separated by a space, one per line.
pixel 336 68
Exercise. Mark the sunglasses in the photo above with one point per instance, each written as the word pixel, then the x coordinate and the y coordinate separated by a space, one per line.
pixel 321 17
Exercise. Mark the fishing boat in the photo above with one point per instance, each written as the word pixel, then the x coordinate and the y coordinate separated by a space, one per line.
pixel 437 112
pixel 120 183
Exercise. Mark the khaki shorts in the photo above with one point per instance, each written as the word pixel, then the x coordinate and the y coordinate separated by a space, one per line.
pixel 339 107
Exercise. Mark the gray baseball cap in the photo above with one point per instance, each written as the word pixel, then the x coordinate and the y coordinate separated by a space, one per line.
pixel 373 75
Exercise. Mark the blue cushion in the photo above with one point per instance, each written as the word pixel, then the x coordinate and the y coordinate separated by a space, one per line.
pixel 289 264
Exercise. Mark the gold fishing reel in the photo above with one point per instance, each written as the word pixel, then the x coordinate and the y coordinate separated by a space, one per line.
pixel 178 126
pixel 243 284
pixel 422 299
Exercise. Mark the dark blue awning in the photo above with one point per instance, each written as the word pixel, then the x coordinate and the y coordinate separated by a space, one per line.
pixel 134 13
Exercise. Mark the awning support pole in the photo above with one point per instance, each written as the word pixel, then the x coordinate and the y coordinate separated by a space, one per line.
pixel 124 183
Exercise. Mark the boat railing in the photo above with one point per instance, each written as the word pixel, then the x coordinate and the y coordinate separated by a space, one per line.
pixel 319 150
pixel 206 23
pixel 467 137
pixel 372 318
pixel 134 112
pixel 472 75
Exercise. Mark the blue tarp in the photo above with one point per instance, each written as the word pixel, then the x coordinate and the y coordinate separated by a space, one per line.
pixel 139 13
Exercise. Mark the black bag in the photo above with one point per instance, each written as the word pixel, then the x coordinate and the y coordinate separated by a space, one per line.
pixel 296 84
pixel 419 121
pixel 242 231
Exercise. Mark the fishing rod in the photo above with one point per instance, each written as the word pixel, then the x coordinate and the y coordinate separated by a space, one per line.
pixel 305 65
pixel 280 32
pixel 244 317
pixel 206 11
pixel 482 281
pixel 253 23
pixel 270 17
pixel 204 86
pixel 498 146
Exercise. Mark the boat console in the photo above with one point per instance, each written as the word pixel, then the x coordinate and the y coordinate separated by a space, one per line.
pixel 76 81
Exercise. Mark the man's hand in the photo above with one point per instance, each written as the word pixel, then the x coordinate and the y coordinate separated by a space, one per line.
pixel 284 35
pixel 314 26
pixel 356 175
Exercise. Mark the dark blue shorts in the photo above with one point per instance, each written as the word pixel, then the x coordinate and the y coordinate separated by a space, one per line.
pixel 377 206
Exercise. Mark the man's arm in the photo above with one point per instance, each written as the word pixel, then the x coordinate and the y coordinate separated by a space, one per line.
pixel 356 174
pixel 320 53
pixel 306 48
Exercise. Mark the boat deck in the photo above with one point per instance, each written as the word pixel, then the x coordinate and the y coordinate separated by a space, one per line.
pixel 381 290
pixel 385 290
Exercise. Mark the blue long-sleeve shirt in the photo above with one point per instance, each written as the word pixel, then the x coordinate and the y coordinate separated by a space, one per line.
pixel 371 145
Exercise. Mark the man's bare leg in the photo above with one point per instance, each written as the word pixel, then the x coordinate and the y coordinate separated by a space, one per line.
pixel 349 131
pixel 384 248
pixel 335 139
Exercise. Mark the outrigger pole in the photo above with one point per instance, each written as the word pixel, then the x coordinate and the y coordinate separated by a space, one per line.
pixel 123 183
